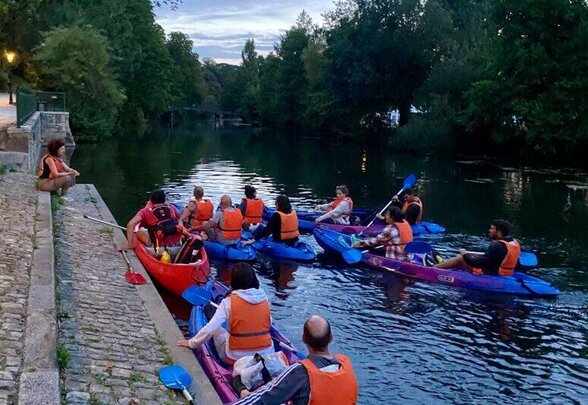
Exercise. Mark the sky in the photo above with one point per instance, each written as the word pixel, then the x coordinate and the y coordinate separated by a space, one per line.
pixel 219 28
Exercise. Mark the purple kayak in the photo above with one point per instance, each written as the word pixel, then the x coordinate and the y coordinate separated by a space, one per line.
pixel 518 283
pixel 219 372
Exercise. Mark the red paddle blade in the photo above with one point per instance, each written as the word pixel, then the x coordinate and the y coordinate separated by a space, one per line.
pixel 132 277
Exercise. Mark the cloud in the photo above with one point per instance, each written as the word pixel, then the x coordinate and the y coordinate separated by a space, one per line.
pixel 221 26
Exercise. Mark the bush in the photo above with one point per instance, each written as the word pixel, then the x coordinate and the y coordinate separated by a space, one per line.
pixel 424 134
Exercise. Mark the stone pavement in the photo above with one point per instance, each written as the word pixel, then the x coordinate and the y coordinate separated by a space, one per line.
pixel 108 346
pixel 18 205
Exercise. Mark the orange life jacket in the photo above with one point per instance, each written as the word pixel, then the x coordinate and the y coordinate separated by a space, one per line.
pixel 405 232
pixel 253 211
pixel 326 388
pixel 249 325
pixel 336 202
pixel 289 225
pixel 204 210
pixel 418 203
pixel 513 251
pixel 44 171
pixel 231 223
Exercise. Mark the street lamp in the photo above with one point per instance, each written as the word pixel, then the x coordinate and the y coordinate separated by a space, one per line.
pixel 10 58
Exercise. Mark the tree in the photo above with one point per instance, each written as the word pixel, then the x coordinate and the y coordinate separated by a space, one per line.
pixel 76 60
pixel 188 84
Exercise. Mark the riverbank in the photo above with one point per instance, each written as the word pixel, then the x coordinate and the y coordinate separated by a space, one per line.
pixel 72 330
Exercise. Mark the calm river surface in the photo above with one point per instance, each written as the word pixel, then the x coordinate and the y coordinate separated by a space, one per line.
pixel 410 342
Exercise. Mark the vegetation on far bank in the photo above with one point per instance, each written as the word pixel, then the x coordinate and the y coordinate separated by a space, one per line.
pixel 489 76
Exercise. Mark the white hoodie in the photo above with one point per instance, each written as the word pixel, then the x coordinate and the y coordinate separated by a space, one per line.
pixel 222 314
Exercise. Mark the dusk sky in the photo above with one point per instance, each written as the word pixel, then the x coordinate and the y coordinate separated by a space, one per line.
pixel 219 28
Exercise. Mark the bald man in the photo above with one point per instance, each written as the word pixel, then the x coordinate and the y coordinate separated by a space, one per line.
pixel 320 379
pixel 225 225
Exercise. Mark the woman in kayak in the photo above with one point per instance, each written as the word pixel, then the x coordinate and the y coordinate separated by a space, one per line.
pixel 339 210
pixel 246 312
pixel 282 225
pixel 251 207
pixel 393 237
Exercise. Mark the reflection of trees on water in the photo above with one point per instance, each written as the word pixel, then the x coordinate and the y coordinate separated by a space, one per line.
pixel 513 188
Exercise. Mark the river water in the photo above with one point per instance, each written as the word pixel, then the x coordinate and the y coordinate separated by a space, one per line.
pixel 410 342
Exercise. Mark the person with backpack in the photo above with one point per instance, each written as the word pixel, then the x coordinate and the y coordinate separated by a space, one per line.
pixel 159 223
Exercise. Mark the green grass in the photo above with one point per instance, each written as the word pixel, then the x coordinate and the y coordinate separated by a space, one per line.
pixel 138 378
pixel 63 357
pixel 56 202
pixel 2 170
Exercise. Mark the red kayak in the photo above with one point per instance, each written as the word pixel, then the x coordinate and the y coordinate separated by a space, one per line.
pixel 173 276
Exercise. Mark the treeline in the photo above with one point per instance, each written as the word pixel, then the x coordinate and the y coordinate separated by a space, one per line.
pixel 117 67
pixel 507 76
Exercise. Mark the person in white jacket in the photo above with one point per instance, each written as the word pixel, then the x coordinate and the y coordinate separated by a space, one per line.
pixel 339 210
pixel 246 312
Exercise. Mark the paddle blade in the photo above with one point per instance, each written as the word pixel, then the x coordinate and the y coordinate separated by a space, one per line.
pixel 351 256
pixel 175 377
pixel 409 181
pixel 418 247
pixel 197 295
pixel 132 277
pixel 528 259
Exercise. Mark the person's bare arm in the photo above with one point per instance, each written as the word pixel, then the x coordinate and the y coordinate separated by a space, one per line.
pixel 136 220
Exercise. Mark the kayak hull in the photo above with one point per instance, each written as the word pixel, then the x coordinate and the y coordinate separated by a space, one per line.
pixel 518 284
pixel 236 252
pixel 301 252
pixel 174 277
pixel 220 373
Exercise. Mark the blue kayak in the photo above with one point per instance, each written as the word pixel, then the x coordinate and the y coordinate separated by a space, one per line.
pixel 234 252
pixel 299 252
pixel 518 283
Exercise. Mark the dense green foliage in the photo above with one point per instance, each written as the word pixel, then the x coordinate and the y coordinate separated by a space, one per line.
pixel 145 73
pixel 489 75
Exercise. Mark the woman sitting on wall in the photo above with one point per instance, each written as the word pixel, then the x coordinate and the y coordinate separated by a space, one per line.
pixel 54 174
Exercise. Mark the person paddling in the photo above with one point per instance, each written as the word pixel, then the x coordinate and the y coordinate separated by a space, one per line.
pixel 394 237
pixel 251 207
pixel 54 174
pixel 339 210
pixel 411 205
pixel 500 259
pixel 225 225
pixel 198 210
pixel 320 379
pixel 282 225
pixel 246 312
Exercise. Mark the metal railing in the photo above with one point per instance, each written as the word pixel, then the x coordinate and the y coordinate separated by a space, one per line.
pixel 28 102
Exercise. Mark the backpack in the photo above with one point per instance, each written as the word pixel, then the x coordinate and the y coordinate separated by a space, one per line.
pixel 166 223
pixel 190 250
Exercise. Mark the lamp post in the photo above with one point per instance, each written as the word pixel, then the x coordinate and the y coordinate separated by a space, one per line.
pixel 10 58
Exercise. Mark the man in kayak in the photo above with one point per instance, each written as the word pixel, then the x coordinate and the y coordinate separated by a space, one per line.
pixel 339 210
pixel 394 237
pixel 158 223
pixel 282 225
pixel 320 379
pixel 198 210
pixel 246 312
pixel 225 225
pixel 411 205
pixel 500 259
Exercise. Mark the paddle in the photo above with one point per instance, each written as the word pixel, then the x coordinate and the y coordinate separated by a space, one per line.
pixel 409 181
pixel 199 296
pixel 176 378
pixel 104 222
pixel 131 276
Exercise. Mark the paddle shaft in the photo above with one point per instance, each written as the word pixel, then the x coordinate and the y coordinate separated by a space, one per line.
pixel 188 396
pixel 384 209
pixel 105 223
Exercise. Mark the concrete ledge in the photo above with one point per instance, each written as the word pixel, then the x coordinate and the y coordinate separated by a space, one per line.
pixel 39 387
pixel 39 381
pixel 202 389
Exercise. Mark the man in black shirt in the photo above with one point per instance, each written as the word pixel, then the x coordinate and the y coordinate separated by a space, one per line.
pixel 491 260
